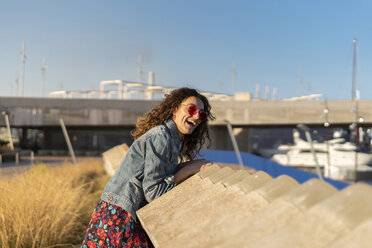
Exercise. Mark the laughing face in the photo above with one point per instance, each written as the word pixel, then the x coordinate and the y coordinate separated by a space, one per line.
pixel 188 115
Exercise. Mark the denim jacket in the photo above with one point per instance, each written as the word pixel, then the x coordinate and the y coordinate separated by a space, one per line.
pixel 147 171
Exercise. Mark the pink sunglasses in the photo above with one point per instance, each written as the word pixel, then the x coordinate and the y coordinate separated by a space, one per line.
pixel 193 110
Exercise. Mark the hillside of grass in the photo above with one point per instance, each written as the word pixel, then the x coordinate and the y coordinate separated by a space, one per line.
pixel 49 206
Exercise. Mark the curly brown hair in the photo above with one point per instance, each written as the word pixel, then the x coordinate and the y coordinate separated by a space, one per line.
pixel 191 143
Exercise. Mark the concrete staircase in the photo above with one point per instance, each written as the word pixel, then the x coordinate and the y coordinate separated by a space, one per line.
pixel 226 207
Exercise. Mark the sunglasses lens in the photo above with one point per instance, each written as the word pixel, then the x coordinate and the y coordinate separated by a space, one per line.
pixel 193 110
pixel 202 116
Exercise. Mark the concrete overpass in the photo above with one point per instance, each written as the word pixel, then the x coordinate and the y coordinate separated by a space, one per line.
pixel 103 123
pixel 45 112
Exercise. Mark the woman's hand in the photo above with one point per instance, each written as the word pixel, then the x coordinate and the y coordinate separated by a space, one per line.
pixel 190 168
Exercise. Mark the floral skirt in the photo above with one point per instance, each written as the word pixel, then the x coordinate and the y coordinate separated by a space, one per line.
pixel 112 226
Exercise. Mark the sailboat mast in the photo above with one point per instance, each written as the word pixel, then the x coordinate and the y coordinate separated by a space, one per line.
pixel 355 98
pixel 353 90
pixel 23 69
pixel 43 69
pixel 233 77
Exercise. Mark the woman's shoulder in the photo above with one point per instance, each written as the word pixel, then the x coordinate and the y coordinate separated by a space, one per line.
pixel 160 130
pixel 162 138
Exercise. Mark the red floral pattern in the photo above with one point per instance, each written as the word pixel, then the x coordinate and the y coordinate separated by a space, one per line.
pixel 112 226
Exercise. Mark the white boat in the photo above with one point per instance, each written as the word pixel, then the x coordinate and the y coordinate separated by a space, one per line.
pixel 338 158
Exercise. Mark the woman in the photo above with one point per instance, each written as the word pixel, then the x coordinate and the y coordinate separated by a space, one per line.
pixel 173 131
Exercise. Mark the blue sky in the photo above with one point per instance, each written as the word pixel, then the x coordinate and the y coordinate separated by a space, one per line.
pixel 189 43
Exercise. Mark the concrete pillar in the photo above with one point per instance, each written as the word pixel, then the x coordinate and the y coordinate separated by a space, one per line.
pixel 220 138
pixel 47 139
pixel 242 136
pixel 222 141
pixel 151 83
pixel 24 137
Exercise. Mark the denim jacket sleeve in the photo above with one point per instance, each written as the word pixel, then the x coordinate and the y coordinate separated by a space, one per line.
pixel 159 167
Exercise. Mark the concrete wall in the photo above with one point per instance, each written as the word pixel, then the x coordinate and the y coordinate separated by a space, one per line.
pixel 37 112
pixel 33 112
pixel 86 118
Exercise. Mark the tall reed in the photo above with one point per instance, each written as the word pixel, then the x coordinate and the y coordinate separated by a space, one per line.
pixel 49 206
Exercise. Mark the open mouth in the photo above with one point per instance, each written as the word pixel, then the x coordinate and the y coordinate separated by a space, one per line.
pixel 191 123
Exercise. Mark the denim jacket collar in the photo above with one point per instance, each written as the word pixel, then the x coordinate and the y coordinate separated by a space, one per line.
pixel 174 131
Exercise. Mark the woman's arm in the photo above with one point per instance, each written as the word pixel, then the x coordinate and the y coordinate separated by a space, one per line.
pixel 190 168
pixel 158 169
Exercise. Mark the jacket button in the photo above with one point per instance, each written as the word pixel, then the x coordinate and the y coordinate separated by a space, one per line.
pixel 110 197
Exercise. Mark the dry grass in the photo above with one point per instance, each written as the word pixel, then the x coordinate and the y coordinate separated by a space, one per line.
pixel 48 207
